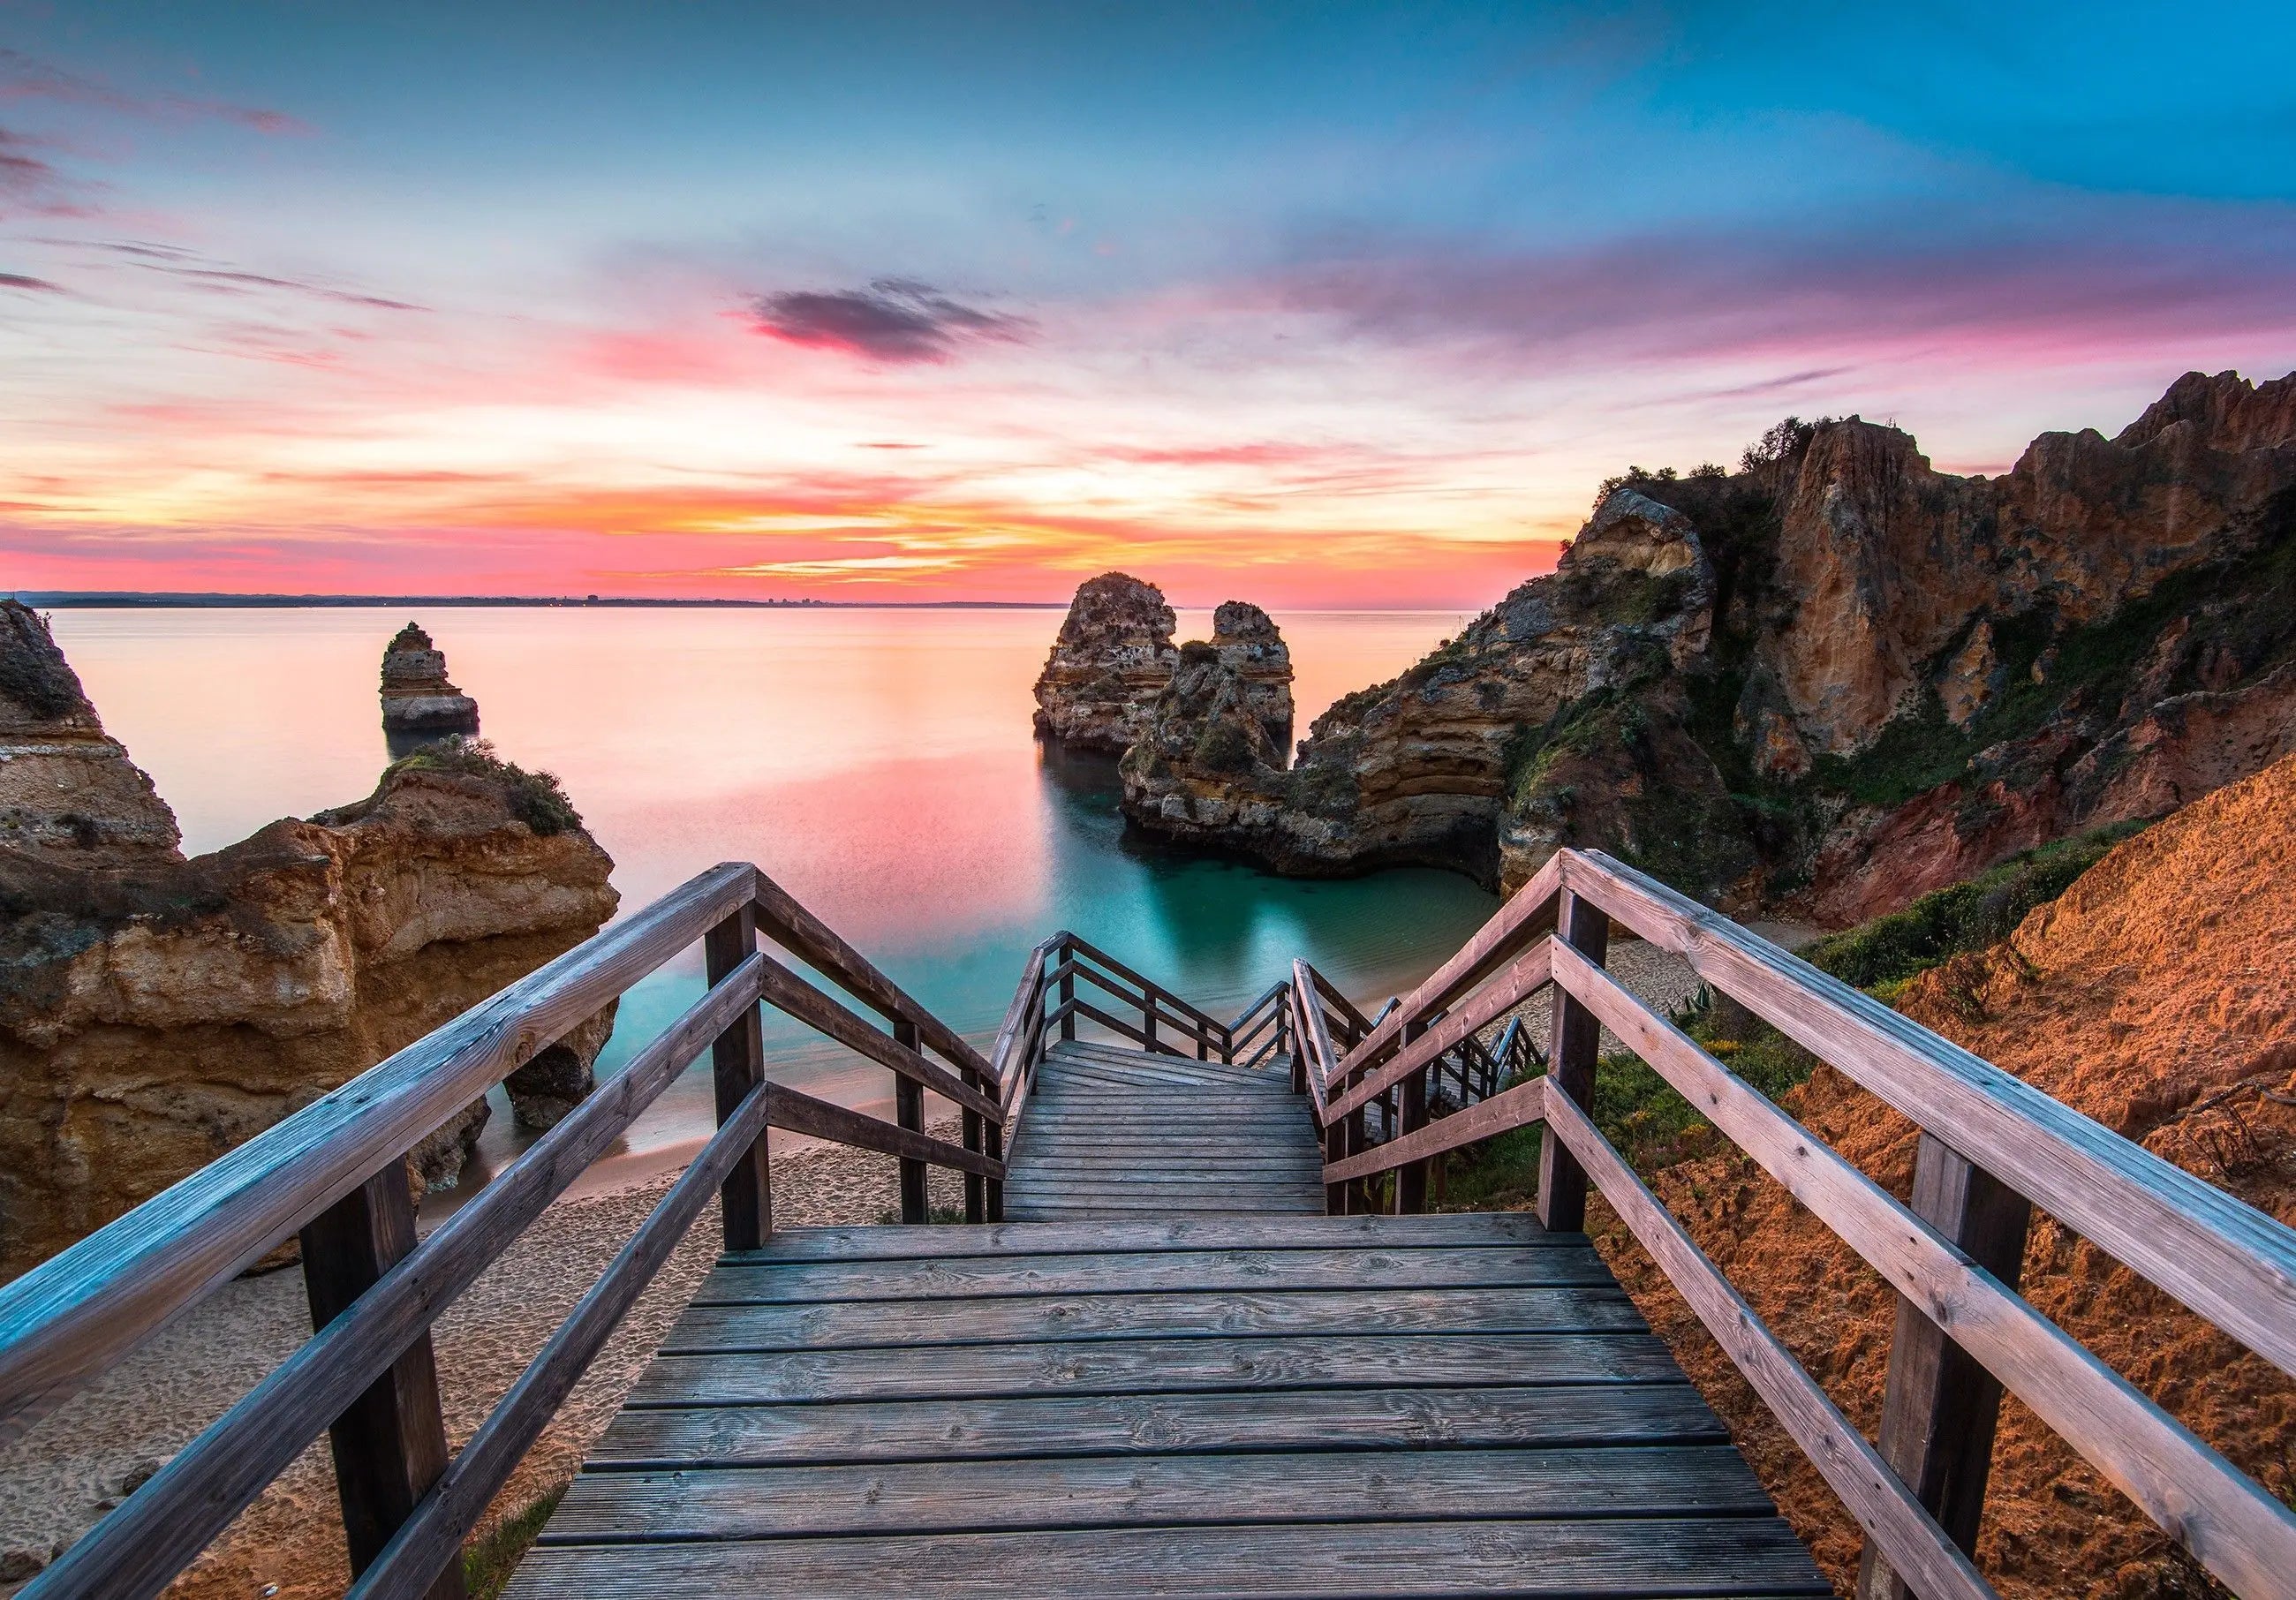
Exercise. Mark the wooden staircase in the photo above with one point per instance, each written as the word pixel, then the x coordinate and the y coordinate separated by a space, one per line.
pixel 1120 1133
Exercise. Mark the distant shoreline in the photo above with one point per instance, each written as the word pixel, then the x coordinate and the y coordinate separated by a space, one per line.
pixel 70 599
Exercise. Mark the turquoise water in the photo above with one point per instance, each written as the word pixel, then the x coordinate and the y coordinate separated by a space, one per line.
pixel 878 763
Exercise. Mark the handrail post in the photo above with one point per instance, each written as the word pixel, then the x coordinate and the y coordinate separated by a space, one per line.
pixel 976 1194
pixel 1941 1406
pixel 1068 997
pixel 1410 1178
pixel 1578 1040
pixel 390 1445
pixel 1148 1015
pixel 737 1061
pixel 909 1112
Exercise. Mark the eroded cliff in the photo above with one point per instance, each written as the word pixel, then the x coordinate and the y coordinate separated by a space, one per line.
pixel 1112 658
pixel 155 1011
pixel 1836 678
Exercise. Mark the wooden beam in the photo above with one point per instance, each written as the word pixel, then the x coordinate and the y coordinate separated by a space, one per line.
pixel 2226 1259
pixel 77 1313
pixel 1940 1407
pixel 1851 1468
pixel 430 1541
pixel 1522 979
pixel 140 1547
pixel 1580 926
pixel 737 1066
pixel 1528 915
pixel 909 1113
pixel 389 1444
pixel 785 991
pixel 812 940
pixel 2243 1535
pixel 1517 1107
pixel 798 1112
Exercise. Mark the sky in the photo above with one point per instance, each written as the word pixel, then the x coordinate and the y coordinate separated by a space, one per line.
pixel 1312 305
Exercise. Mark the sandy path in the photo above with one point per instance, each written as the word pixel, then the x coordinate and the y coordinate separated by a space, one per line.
pixel 59 1480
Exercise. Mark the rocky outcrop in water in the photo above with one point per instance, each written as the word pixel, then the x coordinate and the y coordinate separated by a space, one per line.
pixel 1217 737
pixel 1837 677
pixel 419 705
pixel 156 1011
pixel 67 790
pixel 1112 658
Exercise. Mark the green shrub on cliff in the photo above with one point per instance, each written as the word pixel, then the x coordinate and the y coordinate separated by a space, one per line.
pixel 536 798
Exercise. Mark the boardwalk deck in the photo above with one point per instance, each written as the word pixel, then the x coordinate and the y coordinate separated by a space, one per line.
pixel 1212 1390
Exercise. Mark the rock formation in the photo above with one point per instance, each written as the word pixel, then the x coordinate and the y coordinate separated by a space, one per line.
pixel 156 1011
pixel 419 705
pixel 2158 996
pixel 67 790
pixel 1221 728
pixel 1838 677
pixel 1112 658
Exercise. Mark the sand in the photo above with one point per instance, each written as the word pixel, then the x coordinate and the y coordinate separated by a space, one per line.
pixel 75 1464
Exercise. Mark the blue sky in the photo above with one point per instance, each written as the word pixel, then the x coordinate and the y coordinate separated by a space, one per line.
pixel 1354 302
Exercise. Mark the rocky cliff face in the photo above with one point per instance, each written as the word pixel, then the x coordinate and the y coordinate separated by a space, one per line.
pixel 418 703
pixel 67 790
pixel 1837 677
pixel 156 1011
pixel 1217 736
pixel 1112 658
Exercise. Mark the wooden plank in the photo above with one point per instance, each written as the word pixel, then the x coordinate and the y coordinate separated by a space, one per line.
pixel 1582 930
pixel 755 1282
pixel 737 1066
pixel 1169 1364
pixel 1506 1230
pixel 1517 1107
pixel 1859 1476
pixel 2226 1259
pixel 204 1485
pixel 951 1322
pixel 1939 1408
pixel 785 990
pixel 77 1313
pixel 1522 978
pixel 389 1445
pixel 1626 1557
pixel 1528 915
pixel 2229 1523
pixel 814 942
pixel 1054 1425
pixel 1172 1490
pixel 786 1107
pixel 430 1541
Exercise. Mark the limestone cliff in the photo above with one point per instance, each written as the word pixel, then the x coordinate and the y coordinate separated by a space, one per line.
pixel 1836 676
pixel 1218 734
pixel 418 703
pixel 1112 658
pixel 67 790
pixel 156 1011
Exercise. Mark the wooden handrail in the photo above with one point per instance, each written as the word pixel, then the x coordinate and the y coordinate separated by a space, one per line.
pixel 77 1313
pixel 1103 959
pixel 2228 1261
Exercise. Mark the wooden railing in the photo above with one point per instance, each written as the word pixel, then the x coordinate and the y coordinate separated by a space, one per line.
pixel 1991 1148
pixel 336 1173
pixel 1047 1005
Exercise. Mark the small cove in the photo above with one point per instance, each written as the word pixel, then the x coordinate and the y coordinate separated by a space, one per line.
pixel 876 762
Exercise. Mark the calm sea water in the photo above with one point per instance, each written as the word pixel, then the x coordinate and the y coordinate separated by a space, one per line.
pixel 878 763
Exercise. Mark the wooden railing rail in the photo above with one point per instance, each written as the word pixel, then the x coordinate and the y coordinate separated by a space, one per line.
pixel 1989 1143
pixel 337 1171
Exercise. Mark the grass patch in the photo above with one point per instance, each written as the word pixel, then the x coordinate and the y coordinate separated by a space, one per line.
pixel 1891 949
pixel 489 1560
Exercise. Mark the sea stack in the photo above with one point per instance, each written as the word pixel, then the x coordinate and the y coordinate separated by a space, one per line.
pixel 1113 657
pixel 68 792
pixel 1212 757
pixel 419 705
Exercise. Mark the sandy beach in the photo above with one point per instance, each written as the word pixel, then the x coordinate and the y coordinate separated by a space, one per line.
pixel 78 1464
